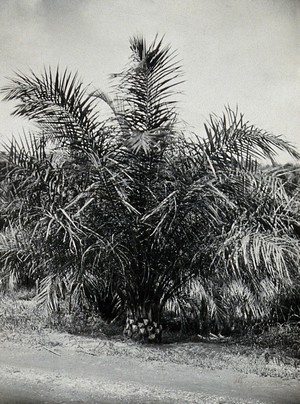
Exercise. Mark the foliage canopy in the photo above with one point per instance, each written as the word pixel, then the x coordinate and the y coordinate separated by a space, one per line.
pixel 126 214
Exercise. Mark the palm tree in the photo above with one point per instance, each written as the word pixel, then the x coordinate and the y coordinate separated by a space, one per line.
pixel 125 214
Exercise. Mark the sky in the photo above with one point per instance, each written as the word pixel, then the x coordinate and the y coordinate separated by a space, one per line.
pixel 243 53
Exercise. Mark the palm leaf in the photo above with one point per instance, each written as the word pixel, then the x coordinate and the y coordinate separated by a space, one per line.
pixel 231 140
pixel 147 87
pixel 59 103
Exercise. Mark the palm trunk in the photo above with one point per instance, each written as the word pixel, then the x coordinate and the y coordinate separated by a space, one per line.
pixel 144 324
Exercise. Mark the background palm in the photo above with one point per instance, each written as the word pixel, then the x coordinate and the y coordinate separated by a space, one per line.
pixel 126 215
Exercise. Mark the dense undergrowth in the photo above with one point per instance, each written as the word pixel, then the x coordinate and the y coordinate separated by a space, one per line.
pixel 20 314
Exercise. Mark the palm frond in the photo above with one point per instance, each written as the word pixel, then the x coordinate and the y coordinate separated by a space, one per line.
pixel 232 140
pixel 27 151
pixel 147 88
pixel 58 102
pixel 52 290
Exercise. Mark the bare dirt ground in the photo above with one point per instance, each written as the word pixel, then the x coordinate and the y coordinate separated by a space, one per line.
pixel 57 368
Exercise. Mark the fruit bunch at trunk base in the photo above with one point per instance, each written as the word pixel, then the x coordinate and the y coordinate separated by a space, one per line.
pixel 143 330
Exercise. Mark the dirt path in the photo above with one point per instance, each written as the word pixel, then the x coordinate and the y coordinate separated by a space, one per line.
pixel 37 375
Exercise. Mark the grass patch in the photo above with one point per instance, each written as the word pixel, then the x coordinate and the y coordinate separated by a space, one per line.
pixel 278 338
pixel 19 313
